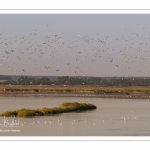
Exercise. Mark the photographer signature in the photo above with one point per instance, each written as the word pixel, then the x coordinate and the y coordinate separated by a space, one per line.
pixel 12 123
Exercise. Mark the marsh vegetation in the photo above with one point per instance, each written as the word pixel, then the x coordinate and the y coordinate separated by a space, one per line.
pixel 23 89
pixel 64 108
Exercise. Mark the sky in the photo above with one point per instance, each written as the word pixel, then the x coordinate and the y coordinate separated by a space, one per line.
pixel 101 45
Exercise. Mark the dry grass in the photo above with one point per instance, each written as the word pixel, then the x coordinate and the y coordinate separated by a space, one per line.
pixel 73 89
pixel 3 81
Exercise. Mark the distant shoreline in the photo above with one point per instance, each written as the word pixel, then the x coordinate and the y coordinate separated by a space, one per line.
pixel 93 91
pixel 82 94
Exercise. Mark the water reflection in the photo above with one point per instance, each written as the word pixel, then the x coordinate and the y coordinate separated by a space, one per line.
pixel 113 117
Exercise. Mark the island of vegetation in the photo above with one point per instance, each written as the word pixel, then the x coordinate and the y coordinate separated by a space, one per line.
pixel 64 108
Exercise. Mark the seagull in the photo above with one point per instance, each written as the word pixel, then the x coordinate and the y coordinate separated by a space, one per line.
pixel 116 66
pixel 47 68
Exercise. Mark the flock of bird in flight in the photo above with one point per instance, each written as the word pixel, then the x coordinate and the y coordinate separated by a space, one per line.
pixel 54 55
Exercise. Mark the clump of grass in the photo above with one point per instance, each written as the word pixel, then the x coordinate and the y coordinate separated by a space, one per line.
pixel 28 112
pixel 77 106
pixel 48 111
pixel 65 107
pixel 10 113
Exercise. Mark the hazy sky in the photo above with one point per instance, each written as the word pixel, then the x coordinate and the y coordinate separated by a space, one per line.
pixel 75 45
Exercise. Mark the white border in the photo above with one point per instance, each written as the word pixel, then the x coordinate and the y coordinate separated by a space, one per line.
pixel 74 7
pixel 75 138
pixel 74 11
pixel 74 4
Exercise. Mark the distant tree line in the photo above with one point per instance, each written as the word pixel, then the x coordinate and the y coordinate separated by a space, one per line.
pixel 29 81
pixel 67 80
pixel 2 77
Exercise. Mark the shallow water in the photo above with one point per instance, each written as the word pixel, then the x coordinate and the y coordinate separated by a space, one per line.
pixel 113 117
